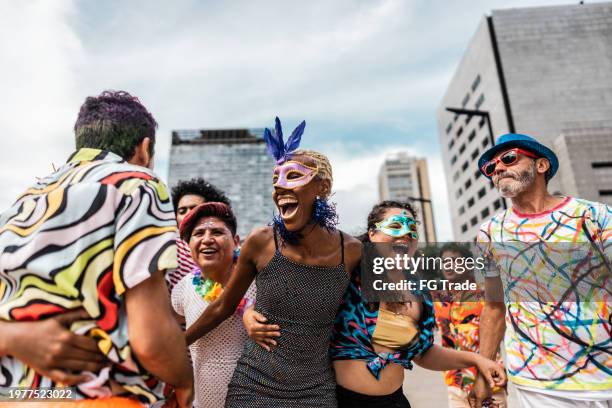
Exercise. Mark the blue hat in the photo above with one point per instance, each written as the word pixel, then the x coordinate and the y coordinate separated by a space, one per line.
pixel 510 140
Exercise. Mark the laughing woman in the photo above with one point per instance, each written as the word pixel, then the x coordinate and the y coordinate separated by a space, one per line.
pixel 210 231
pixel 374 342
pixel 301 265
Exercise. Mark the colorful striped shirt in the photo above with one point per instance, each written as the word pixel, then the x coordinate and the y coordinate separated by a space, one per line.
pixel 79 238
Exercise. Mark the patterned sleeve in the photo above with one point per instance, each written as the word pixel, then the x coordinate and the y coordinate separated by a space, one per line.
pixel 145 232
pixel 604 221
pixel 485 250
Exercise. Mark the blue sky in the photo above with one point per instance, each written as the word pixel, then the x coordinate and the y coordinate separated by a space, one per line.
pixel 367 77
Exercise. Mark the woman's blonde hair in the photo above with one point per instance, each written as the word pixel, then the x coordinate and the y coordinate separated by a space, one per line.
pixel 324 166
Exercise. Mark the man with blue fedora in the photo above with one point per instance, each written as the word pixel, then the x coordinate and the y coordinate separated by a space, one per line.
pixel 558 353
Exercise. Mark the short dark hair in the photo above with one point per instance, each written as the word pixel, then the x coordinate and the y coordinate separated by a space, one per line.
pixel 208 209
pixel 197 186
pixel 115 121
pixel 377 212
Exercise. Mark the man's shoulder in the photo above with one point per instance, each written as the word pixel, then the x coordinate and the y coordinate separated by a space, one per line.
pixel 123 176
pixel 594 207
pixel 486 228
pixel 110 171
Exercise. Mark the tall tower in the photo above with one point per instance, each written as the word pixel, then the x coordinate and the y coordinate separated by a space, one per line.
pixel 543 71
pixel 405 178
pixel 234 160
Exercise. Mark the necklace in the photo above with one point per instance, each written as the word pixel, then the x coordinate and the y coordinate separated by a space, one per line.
pixel 206 287
pixel 210 291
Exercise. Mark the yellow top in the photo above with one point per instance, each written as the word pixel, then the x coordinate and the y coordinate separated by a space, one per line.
pixel 394 331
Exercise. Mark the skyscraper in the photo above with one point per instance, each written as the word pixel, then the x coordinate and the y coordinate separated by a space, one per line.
pixel 405 178
pixel 543 71
pixel 234 160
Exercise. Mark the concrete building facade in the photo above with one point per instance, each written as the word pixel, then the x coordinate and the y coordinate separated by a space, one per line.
pixel 543 71
pixel 405 178
pixel 234 160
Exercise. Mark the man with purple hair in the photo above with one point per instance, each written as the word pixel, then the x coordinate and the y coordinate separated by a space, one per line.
pixel 86 248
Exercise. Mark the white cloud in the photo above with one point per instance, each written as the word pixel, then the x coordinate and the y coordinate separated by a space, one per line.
pixel 38 53
pixel 232 64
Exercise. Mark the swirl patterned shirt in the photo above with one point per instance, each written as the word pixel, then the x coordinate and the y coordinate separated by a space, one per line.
pixel 79 238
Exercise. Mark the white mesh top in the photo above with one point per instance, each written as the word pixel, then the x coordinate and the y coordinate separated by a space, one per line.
pixel 215 355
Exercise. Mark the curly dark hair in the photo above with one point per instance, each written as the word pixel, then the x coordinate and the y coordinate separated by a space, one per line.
pixel 198 186
pixel 115 121
pixel 377 212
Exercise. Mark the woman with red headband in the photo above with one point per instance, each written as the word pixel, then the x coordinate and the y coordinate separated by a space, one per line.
pixel 210 231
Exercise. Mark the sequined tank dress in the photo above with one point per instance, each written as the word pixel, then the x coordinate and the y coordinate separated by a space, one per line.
pixel 297 373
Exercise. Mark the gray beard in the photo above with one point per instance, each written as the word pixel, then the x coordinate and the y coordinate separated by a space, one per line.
pixel 522 181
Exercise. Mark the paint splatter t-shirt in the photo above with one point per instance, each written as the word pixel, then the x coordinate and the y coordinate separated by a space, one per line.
pixel 555 339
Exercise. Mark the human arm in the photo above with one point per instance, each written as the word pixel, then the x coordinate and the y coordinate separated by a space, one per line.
pixel 439 359
pixel 159 346
pixel 257 329
pixel 51 349
pixel 239 282
pixel 491 333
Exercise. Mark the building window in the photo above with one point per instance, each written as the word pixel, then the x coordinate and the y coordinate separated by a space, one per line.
pixel 485 213
pixel 497 204
pixel 449 128
pixel 482 122
pixel 462 148
pixel 470 202
pixel 472 135
pixel 451 144
pixel 476 82
pixel 464 228
pixel 475 154
pixel 454 160
pixel 461 210
pixel 477 174
pixel 459 192
pixel 455 176
pixel 491 185
pixel 468 184
pixel 474 221
pixel 465 166
pixel 598 165
pixel 485 142
pixel 480 101
pixel 466 99
pixel 468 118
pixel 605 192
pixel 459 131
pixel 482 192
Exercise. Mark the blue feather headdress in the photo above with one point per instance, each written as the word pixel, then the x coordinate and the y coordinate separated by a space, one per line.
pixel 277 147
